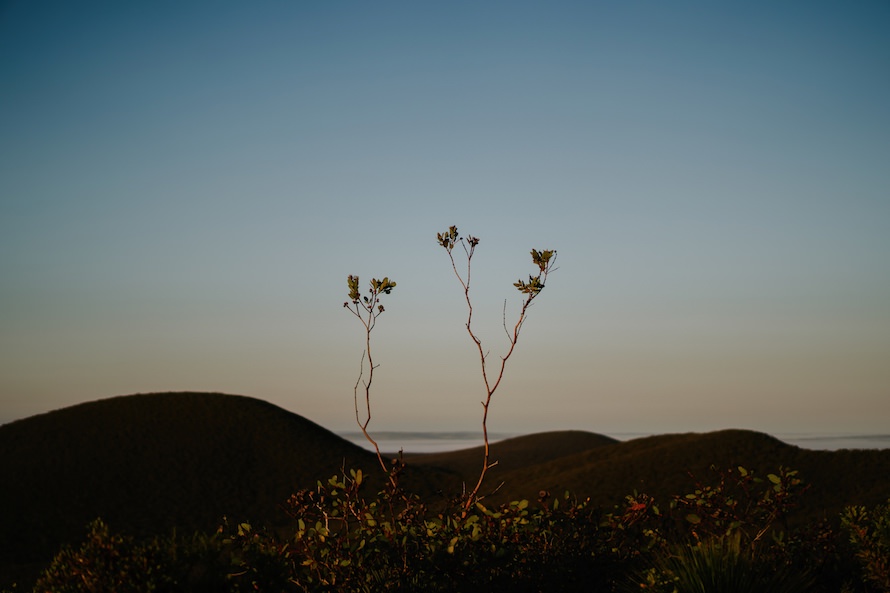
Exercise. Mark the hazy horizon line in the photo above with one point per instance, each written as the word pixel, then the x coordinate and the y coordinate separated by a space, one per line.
pixel 415 441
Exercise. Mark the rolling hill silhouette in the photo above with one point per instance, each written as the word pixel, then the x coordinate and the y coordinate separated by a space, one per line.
pixel 664 465
pixel 149 463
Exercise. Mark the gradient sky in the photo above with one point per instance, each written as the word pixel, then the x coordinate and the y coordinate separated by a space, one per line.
pixel 184 187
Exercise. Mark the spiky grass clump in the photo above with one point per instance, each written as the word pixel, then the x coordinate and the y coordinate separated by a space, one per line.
pixel 720 564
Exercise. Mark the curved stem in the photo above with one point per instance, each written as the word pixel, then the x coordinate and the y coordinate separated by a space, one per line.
pixel 489 387
pixel 545 261
pixel 368 323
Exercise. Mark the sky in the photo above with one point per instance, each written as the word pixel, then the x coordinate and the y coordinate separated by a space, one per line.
pixel 185 186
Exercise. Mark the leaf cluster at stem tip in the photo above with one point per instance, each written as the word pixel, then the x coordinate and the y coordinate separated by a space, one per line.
pixel 378 287
pixel 451 237
pixel 544 260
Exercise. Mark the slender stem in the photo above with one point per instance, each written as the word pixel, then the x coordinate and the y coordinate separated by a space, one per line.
pixel 369 323
pixel 544 260
pixel 489 387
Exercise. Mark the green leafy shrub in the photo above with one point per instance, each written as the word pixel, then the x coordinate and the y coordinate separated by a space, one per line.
pixel 341 539
pixel 725 535
pixel 740 502
pixel 106 563
pixel 869 535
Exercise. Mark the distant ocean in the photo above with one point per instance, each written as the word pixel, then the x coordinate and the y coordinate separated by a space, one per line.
pixel 432 442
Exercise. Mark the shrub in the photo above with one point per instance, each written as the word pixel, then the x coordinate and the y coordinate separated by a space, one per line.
pixel 112 563
pixel 740 502
pixel 393 542
pixel 105 563
pixel 869 535
pixel 343 540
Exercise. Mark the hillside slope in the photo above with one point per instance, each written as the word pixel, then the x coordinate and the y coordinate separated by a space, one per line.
pixel 146 463
pixel 447 472
pixel 663 466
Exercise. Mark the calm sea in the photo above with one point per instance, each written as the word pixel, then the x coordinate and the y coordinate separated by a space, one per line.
pixel 431 442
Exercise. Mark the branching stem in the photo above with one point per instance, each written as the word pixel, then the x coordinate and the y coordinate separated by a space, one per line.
pixel 544 260
pixel 367 309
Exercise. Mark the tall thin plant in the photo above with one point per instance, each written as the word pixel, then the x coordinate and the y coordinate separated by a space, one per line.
pixel 367 308
pixel 544 261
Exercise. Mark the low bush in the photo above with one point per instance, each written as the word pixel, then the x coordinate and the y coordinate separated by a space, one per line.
pixel 869 537
pixel 342 540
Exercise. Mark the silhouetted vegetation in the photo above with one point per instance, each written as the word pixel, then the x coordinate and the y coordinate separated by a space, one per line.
pixel 163 471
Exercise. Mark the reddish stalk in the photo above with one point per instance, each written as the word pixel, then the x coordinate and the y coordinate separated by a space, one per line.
pixel 544 260
pixel 367 309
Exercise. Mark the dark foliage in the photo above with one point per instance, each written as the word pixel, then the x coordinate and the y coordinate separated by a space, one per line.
pixel 346 541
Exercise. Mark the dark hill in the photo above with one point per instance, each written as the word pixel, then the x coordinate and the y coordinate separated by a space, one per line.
pixel 146 463
pixel 661 466
pixel 518 453
pixel 515 456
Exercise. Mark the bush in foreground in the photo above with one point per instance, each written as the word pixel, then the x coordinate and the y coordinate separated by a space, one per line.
pixel 340 540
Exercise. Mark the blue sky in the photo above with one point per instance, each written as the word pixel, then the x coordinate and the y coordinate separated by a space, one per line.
pixel 184 187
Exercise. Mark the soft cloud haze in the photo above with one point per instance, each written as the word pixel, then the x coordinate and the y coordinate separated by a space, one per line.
pixel 184 187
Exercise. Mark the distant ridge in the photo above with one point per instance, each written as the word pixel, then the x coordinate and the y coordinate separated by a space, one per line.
pixel 147 463
pixel 516 453
pixel 663 466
